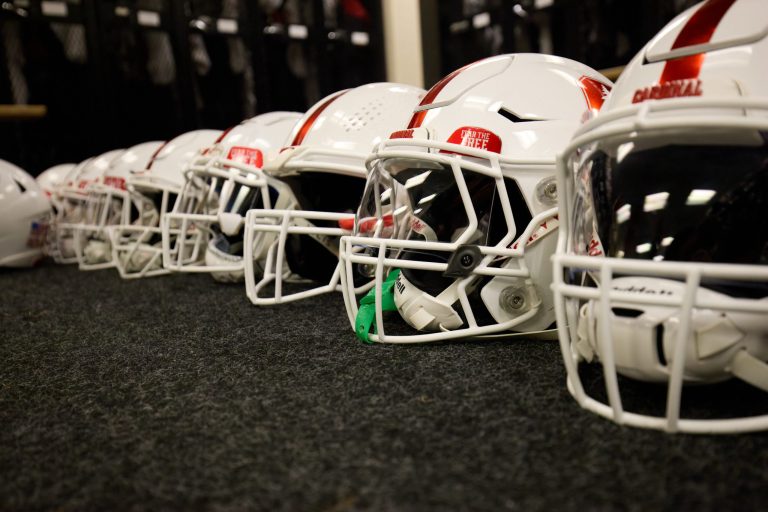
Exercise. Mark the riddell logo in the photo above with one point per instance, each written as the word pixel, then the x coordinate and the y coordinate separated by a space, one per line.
pixel 641 289
pixel 672 89
pixel 399 285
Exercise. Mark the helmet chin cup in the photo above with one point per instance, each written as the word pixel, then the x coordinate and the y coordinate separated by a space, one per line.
pixel 424 312
pixel 214 257
pixel 230 223
pixel 97 251
pixel 642 337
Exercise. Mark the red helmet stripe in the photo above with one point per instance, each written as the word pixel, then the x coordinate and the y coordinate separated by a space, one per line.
pixel 157 152
pixel 299 138
pixel 698 30
pixel 225 133
pixel 429 98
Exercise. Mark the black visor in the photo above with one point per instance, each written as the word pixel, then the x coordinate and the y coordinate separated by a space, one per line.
pixel 683 203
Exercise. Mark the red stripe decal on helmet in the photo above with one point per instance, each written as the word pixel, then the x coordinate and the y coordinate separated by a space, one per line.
pixel 299 138
pixel 154 155
pixel 224 134
pixel 429 98
pixel 698 30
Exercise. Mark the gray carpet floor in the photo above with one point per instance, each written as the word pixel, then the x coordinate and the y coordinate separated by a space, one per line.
pixel 175 393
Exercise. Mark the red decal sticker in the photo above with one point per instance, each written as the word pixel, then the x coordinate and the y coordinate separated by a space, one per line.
pixel 680 76
pixel 114 182
pixel 402 134
pixel 247 156
pixel 83 183
pixel 594 91
pixel 474 137
pixel 304 129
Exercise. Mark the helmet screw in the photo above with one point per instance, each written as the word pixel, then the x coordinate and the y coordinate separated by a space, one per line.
pixel 551 190
pixel 512 299
pixel 467 260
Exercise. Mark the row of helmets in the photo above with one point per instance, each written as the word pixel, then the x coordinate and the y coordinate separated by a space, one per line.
pixel 499 203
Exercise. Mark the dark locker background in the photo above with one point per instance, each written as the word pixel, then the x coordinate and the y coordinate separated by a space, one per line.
pixel 600 33
pixel 113 73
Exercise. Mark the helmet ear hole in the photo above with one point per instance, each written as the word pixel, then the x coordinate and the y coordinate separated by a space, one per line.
pixel 627 312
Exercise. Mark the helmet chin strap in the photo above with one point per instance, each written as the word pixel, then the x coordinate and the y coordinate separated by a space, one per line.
pixel 97 251
pixel 743 365
pixel 750 369
pixel 425 312
pixel 215 257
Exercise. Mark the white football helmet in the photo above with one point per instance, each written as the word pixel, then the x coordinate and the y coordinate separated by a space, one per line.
pixel 323 166
pixel 25 213
pixel 72 198
pixel 110 203
pixel 457 219
pixel 137 248
pixel 660 271
pixel 51 179
pixel 229 179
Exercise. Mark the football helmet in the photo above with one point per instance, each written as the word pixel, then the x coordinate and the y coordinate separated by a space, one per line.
pixel 660 271
pixel 109 203
pixel 137 248
pixel 72 201
pixel 25 213
pixel 457 218
pixel 323 167
pixel 51 179
pixel 229 180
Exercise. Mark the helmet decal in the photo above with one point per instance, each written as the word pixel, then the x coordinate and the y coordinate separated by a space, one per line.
pixel 248 156
pixel 154 155
pixel 594 91
pixel 679 77
pixel 474 137
pixel 420 113
pixel 304 129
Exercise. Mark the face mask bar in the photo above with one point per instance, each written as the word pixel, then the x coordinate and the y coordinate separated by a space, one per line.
pixel 623 123
pixel 104 206
pixel 355 250
pixel 267 232
pixel 194 228
pixel 137 249
pixel 61 243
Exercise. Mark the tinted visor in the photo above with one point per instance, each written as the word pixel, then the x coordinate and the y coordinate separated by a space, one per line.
pixel 439 214
pixel 676 203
